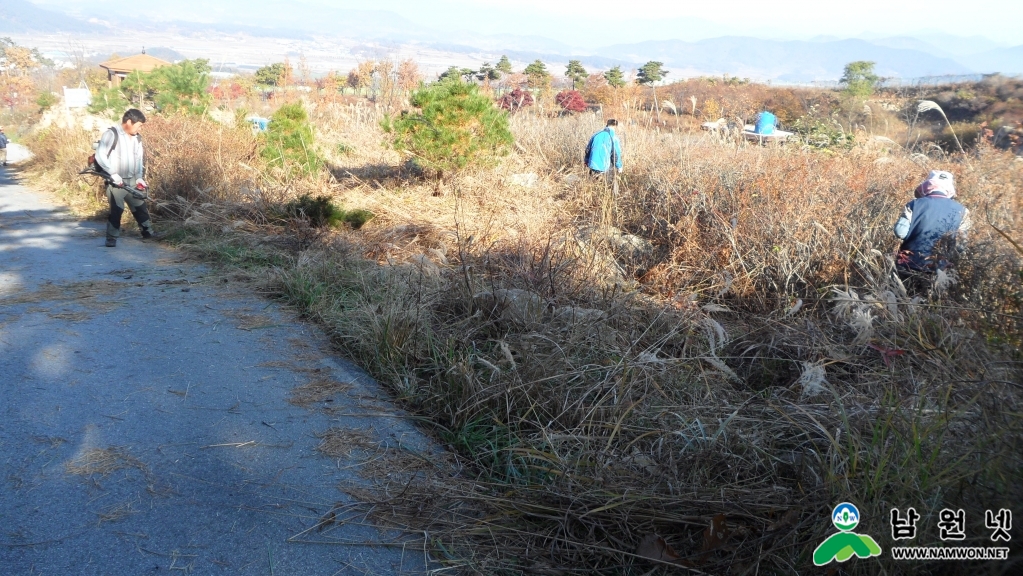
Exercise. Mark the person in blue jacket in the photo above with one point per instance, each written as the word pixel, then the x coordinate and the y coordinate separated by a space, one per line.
pixel 3 147
pixel 933 216
pixel 765 123
pixel 604 150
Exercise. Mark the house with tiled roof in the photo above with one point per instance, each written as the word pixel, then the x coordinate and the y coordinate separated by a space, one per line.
pixel 119 68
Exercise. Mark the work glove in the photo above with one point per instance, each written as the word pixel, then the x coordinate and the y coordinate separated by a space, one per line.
pixel 140 191
pixel 116 180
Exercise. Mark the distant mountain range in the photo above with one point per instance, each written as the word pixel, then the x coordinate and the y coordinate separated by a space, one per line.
pixel 1005 60
pixel 792 61
pixel 19 16
pixel 786 61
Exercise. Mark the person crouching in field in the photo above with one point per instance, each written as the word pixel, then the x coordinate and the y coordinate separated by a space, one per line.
pixel 120 154
pixel 931 218
pixel 604 150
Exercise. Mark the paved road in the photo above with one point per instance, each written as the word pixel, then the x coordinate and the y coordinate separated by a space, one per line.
pixel 148 417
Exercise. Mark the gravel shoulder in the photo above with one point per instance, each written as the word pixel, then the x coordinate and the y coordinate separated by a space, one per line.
pixel 155 417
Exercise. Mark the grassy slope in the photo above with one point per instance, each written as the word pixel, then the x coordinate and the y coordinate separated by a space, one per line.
pixel 729 374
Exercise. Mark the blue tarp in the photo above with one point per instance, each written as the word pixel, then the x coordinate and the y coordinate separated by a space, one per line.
pixel 259 123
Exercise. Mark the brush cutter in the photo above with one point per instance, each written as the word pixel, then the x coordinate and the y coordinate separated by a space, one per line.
pixel 140 191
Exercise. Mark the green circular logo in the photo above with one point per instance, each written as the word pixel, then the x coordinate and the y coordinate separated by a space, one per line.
pixel 845 516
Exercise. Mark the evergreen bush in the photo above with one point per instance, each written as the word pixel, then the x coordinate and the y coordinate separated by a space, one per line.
pixel 321 212
pixel 455 126
pixel 289 140
pixel 181 87
pixel 822 133
pixel 46 100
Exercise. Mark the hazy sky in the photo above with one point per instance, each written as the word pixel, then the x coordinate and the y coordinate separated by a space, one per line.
pixel 602 22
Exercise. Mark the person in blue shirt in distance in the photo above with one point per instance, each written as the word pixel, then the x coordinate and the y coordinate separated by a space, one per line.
pixel 765 123
pixel 604 150
pixel 3 147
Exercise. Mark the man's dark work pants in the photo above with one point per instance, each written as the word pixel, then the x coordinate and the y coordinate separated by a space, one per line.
pixel 117 198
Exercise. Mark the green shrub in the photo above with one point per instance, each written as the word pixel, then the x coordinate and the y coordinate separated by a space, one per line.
pixel 821 133
pixel 240 115
pixel 272 74
pixel 455 126
pixel 322 211
pixel 356 218
pixel 289 140
pixel 859 79
pixel 181 87
pixel 46 100
pixel 110 102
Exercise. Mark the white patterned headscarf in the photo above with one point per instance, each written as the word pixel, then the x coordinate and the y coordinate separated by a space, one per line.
pixel 938 183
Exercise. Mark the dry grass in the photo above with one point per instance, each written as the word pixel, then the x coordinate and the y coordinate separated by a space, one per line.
pixel 60 153
pixel 716 98
pixel 317 391
pixel 250 322
pixel 341 442
pixel 716 380
pixel 104 461
pixel 93 295
pixel 116 512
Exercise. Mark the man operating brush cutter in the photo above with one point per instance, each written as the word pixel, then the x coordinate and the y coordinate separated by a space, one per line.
pixel 119 161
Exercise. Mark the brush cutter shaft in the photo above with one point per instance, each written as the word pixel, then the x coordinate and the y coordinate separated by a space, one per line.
pixel 138 192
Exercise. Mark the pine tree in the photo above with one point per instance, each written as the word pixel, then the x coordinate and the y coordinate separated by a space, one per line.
pixel 615 78
pixel 182 87
pixel 456 73
pixel 290 142
pixel 504 65
pixel 455 126
pixel 538 74
pixel 650 73
pixel 576 73
pixel 487 73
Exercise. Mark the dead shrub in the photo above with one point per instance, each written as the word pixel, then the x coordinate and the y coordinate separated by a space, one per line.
pixel 200 160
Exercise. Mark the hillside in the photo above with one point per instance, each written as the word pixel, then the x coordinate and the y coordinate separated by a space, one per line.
pixel 718 344
pixel 1004 60
pixel 19 16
